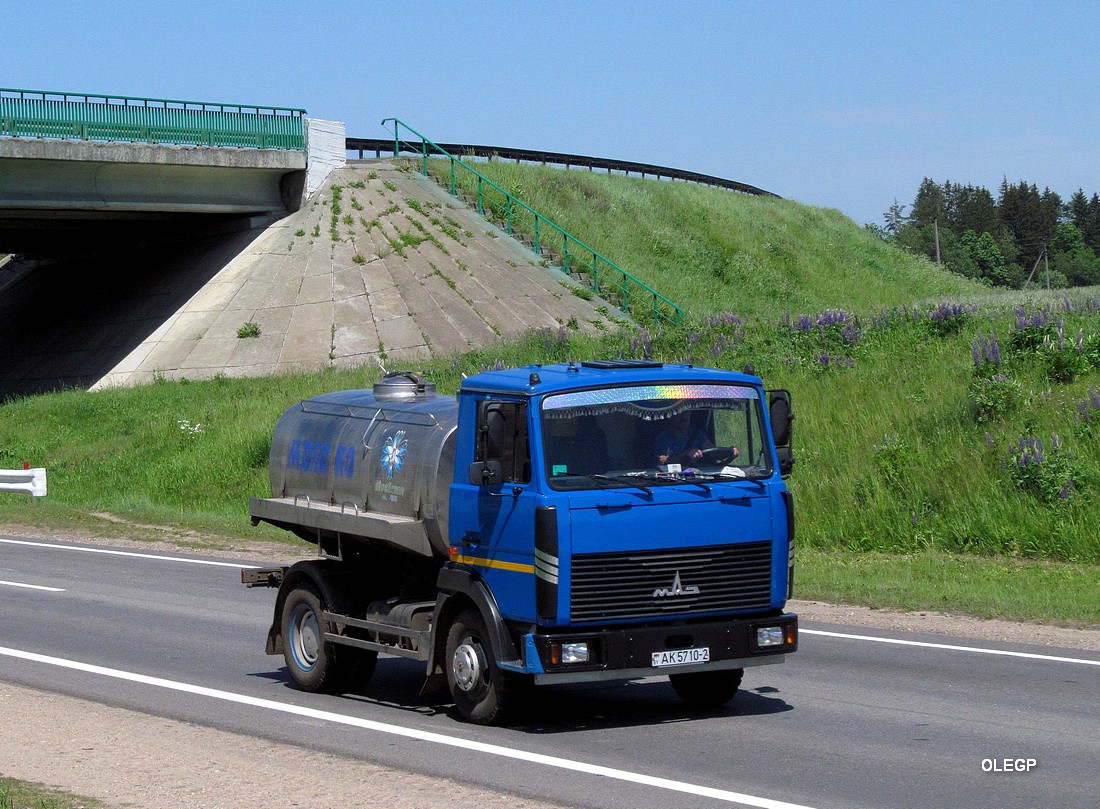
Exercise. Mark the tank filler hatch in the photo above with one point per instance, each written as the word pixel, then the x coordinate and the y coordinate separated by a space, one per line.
pixel 398 385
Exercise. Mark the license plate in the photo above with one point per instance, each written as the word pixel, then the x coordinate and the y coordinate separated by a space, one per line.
pixel 682 657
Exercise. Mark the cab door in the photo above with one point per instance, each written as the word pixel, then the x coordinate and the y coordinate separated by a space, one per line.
pixel 493 512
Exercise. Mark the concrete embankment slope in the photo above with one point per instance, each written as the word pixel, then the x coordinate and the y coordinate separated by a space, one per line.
pixel 411 272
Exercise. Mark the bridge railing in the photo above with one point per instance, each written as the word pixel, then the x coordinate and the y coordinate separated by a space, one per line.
pixel 579 260
pixel 80 116
pixel 569 161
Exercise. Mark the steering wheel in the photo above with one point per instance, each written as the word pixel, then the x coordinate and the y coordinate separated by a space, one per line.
pixel 718 456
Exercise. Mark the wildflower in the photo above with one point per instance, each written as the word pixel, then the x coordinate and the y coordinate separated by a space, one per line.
pixel 189 428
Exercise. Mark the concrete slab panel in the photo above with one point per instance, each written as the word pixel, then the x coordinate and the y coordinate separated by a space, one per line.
pixel 352 341
pixel 210 352
pixel 311 317
pixel 274 320
pixel 376 276
pixel 308 347
pixel 400 332
pixel 255 351
pixel 348 283
pixel 315 289
pixel 189 326
pixel 282 292
pixel 387 304
pixel 319 258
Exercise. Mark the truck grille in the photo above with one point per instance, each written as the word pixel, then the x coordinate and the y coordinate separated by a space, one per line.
pixel 641 584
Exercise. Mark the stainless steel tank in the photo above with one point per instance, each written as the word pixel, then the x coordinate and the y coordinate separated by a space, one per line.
pixel 374 464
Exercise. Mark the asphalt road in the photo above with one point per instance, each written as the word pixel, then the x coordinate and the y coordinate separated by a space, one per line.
pixel 848 721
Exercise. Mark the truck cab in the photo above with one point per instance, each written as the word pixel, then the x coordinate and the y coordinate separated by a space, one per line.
pixel 647 502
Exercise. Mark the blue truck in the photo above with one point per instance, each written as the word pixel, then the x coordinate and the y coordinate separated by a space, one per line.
pixel 594 521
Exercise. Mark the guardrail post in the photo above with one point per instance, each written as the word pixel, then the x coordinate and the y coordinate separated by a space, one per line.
pixel 31 482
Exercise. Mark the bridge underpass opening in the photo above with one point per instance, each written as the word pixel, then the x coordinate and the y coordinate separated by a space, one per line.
pixel 69 316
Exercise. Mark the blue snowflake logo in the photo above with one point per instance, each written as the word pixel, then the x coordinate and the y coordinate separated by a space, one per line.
pixel 393 453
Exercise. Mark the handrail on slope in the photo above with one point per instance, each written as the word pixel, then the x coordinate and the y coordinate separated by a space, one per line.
pixel 631 293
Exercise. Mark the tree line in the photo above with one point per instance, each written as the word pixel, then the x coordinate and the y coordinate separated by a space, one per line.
pixel 1022 233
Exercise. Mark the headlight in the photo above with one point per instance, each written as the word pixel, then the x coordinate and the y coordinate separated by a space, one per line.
pixel 769 636
pixel 566 653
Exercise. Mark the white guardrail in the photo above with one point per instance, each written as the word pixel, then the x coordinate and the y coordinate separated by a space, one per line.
pixel 31 482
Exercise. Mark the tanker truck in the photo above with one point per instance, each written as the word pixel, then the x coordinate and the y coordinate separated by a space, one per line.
pixel 595 521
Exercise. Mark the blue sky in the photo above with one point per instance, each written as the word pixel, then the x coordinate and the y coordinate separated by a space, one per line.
pixel 838 105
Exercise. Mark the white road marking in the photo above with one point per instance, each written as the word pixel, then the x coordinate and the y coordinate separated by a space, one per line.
pixel 58 546
pixel 420 735
pixel 950 647
pixel 32 586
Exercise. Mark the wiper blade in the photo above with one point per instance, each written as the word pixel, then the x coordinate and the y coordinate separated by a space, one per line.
pixel 624 479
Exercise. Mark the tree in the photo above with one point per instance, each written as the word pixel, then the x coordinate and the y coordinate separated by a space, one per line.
pixel 1091 229
pixel 1071 257
pixel 1030 217
pixel 928 207
pixel 895 218
pixel 1077 209
pixel 975 209
pixel 985 256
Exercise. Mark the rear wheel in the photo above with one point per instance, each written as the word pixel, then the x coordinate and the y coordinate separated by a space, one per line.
pixel 315 664
pixel 707 689
pixel 481 690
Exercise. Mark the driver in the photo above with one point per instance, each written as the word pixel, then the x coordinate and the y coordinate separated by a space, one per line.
pixel 681 441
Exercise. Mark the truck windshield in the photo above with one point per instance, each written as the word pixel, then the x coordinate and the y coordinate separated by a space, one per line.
pixel 653 434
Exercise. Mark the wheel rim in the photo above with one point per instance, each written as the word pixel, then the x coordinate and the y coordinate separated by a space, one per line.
pixel 468 665
pixel 305 637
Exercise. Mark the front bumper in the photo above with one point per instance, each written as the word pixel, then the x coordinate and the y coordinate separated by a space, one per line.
pixel 623 653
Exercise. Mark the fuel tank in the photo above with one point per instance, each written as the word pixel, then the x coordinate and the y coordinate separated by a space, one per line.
pixel 370 464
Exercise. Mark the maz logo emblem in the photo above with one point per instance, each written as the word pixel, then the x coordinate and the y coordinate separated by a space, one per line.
pixel 677 589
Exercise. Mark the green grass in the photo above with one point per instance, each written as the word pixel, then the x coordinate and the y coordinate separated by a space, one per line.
pixel 710 250
pixel 1049 592
pixel 903 453
pixel 24 795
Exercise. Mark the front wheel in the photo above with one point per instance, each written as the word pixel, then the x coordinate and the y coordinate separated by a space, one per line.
pixel 707 689
pixel 315 664
pixel 480 689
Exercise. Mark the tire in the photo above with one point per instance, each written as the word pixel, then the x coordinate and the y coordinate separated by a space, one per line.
pixel 482 692
pixel 707 689
pixel 317 665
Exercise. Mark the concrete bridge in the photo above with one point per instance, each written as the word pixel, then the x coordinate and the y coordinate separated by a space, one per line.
pixel 146 241
pixel 82 170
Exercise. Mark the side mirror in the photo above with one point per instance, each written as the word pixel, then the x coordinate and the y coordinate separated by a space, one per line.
pixel 485 473
pixel 786 460
pixel 779 410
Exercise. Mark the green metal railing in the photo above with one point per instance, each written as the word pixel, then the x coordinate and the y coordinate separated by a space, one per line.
pixel 603 276
pixel 79 116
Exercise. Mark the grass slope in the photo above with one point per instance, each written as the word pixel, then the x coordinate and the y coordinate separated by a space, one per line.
pixel 916 481
pixel 710 250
